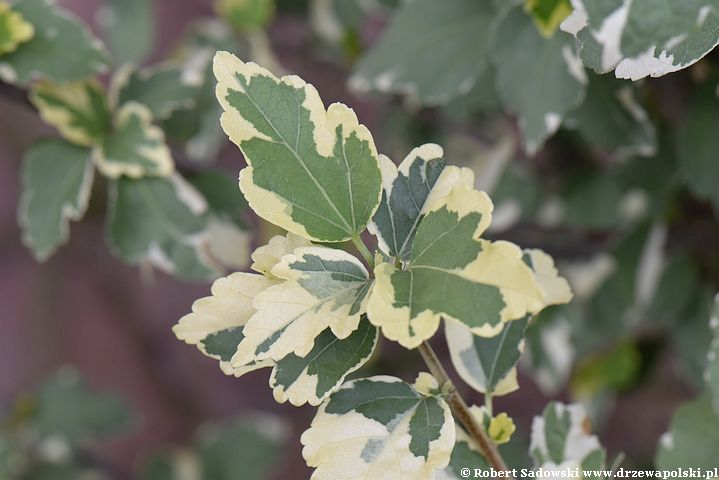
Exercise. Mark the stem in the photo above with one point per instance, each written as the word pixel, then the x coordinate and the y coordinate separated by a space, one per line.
pixel 488 404
pixel 461 410
pixel 357 241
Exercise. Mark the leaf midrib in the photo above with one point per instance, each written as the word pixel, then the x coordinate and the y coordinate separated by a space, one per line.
pixel 297 157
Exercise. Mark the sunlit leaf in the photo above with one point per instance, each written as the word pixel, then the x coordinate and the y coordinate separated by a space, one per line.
pixel 324 288
pixel 311 378
pixel 408 191
pixel 216 322
pixel 487 364
pixel 454 274
pixel 311 171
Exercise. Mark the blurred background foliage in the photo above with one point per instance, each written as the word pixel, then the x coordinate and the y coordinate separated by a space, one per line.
pixel 615 179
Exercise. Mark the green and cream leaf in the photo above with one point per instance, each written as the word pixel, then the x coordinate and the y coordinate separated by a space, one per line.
pixel 408 191
pixel 431 50
pixel 642 38
pixel 561 438
pixel 540 79
pixel 163 89
pixel 134 147
pixel 62 49
pixel 379 427
pixel 267 256
pixel 465 454
pixel 229 237
pixel 454 274
pixel 555 289
pixel 487 364
pixel 324 287
pixel 216 322
pixel 611 118
pixel 78 110
pixel 56 182
pixel 162 222
pixel 310 379
pixel 313 171
pixel 14 29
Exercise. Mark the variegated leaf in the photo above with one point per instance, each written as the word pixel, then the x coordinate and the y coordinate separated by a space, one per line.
pixel 540 79
pixel 78 110
pixel 447 52
pixel 455 274
pixel 161 221
pixel 229 237
pixel 465 454
pixel 548 14
pixel 14 29
pixel 324 288
pixel 62 49
pixel 56 183
pixel 611 118
pixel 199 127
pixel 407 193
pixel 162 89
pixel 311 378
pixel 216 322
pixel 561 438
pixel 555 289
pixel 487 364
pixel 134 147
pixel 311 171
pixel 379 427
pixel 641 38
pixel 267 256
